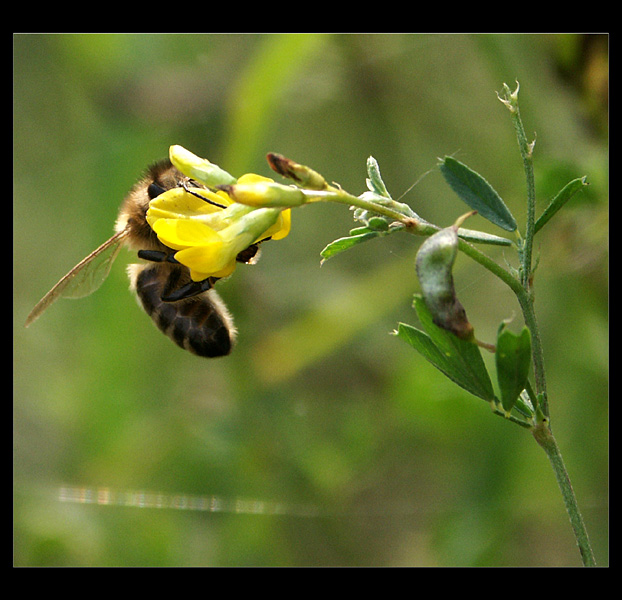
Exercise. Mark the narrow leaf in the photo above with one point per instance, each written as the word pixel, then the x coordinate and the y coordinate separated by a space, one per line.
pixel 567 192
pixel 345 243
pixel 459 360
pixel 422 342
pixel 376 227
pixel 465 355
pixel 513 358
pixel 375 183
pixel 477 193
pixel 481 237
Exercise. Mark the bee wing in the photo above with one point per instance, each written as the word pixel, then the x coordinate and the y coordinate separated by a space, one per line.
pixel 84 278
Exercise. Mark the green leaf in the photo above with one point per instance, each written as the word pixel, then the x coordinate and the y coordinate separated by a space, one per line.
pixel 477 193
pixel 378 224
pixel 513 357
pixel 567 192
pixel 345 243
pixel 374 181
pixel 377 227
pixel 480 237
pixel 459 360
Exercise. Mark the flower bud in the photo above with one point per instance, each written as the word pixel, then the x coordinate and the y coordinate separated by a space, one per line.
pixel 509 98
pixel 434 264
pixel 198 168
pixel 302 175
pixel 264 194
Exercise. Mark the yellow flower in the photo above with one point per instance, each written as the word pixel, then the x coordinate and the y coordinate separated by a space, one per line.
pixel 208 237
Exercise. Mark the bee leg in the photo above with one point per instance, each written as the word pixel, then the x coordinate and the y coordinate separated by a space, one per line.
pixel 189 290
pixel 157 256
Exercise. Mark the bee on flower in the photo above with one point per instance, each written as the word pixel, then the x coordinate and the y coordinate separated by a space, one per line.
pixel 182 219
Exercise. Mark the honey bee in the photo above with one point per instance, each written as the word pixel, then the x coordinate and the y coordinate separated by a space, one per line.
pixel 189 312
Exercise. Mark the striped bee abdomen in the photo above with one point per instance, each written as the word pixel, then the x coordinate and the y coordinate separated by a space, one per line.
pixel 201 324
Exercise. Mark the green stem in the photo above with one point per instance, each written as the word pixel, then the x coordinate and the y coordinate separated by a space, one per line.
pixel 392 210
pixel 544 437
pixel 487 262
pixel 526 152
pixel 541 432
pixel 510 99
pixel 526 303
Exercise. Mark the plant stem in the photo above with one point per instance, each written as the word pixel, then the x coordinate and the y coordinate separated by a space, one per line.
pixel 526 304
pixel 510 99
pixel 391 209
pixel 541 432
pixel 543 435
pixel 487 262
pixel 526 152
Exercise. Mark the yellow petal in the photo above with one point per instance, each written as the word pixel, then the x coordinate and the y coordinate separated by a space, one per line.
pixel 210 260
pixel 282 227
pixel 179 204
pixel 253 178
pixel 180 234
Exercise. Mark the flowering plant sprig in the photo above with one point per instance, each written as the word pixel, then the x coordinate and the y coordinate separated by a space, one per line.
pixel 208 237
pixel 210 229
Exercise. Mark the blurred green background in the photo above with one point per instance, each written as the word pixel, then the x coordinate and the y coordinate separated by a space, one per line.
pixel 318 405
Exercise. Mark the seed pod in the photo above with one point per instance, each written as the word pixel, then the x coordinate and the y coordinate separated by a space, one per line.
pixel 434 263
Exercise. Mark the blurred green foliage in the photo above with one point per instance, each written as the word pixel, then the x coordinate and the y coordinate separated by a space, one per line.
pixel 317 405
